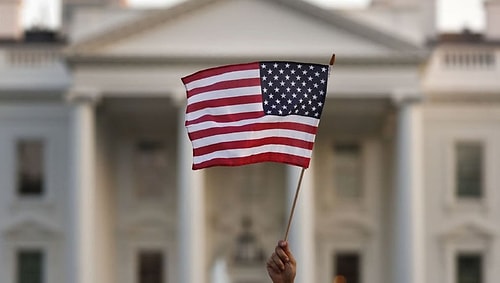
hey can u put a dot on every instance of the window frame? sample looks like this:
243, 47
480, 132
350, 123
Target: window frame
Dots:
43, 263
44, 170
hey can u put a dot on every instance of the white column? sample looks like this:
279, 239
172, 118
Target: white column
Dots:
82, 252
191, 213
408, 258
301, 236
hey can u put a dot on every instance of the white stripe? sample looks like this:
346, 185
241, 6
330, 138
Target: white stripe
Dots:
224, 93
235, 153
225, 110
266, 119
253, 135
229, 76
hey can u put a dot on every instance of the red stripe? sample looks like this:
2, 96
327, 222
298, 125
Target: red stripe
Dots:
226, 118
225, 85
252, 143
219, 70
254, 127
224, 102
263, 157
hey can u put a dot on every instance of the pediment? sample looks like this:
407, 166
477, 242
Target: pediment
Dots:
30, 227
243, 28
469, 228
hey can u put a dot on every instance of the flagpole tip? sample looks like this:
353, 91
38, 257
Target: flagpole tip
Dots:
332, 60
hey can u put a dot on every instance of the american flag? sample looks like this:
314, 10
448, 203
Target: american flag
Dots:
255, 112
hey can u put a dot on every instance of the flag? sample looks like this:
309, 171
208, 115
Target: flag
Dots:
255, 112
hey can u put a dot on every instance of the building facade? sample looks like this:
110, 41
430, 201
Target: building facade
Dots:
95, 162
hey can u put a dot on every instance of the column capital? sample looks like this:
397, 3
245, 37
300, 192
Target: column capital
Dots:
84, 94
400, 97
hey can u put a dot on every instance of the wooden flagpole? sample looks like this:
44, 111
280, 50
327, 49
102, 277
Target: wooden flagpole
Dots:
332, 61
294, 203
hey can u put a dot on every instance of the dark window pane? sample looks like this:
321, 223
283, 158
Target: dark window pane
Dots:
348, 265
30, 167
469, 268
150, 267
347, 170
469, 159
30, 266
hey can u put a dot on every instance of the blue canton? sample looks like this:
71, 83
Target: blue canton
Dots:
290, 88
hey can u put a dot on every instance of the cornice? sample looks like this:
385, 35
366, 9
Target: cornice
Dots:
409, 59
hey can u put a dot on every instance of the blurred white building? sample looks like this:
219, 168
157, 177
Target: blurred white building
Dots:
95, 164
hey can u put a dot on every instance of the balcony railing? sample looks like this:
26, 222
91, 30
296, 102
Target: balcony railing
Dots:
30, 57
469, 59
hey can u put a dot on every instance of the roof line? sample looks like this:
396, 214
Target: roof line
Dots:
155, 18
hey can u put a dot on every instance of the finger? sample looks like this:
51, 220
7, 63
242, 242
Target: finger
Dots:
281, 253
280, 264
272, 266
286, 247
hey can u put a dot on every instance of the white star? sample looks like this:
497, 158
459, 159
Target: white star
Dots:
305, 95
298, 78
275, 65
294, 95
292, 72
263, 66
315, 85
281, 112
299, 89
266, 102
303, 83
321, 92
309, 90
270, 83
281, 71
288, 89
316, 114
313, 109
320, 104
273, 106
265, 89
307, 113
303, 107
284, 107
276, 89
278, 101
323, 69
310, 78
311, 67
271, 95
310, 102
269, 71
287, 65
292, 83
269, 112
282, 83
276, 78
296, 111
283, 95
304, 72
316, 74
300, 100
289, 101
287, 77
315, 97
322, 81
299, 66
264, 78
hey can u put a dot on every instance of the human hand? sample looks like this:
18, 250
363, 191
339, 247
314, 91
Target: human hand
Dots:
281, 266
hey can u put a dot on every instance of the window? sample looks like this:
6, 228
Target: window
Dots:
469, 268
347, 170
347, 264
469, 160
30, 171
30, 266
150, 267
150, 169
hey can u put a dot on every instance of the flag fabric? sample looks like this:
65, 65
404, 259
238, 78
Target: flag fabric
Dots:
255, 112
